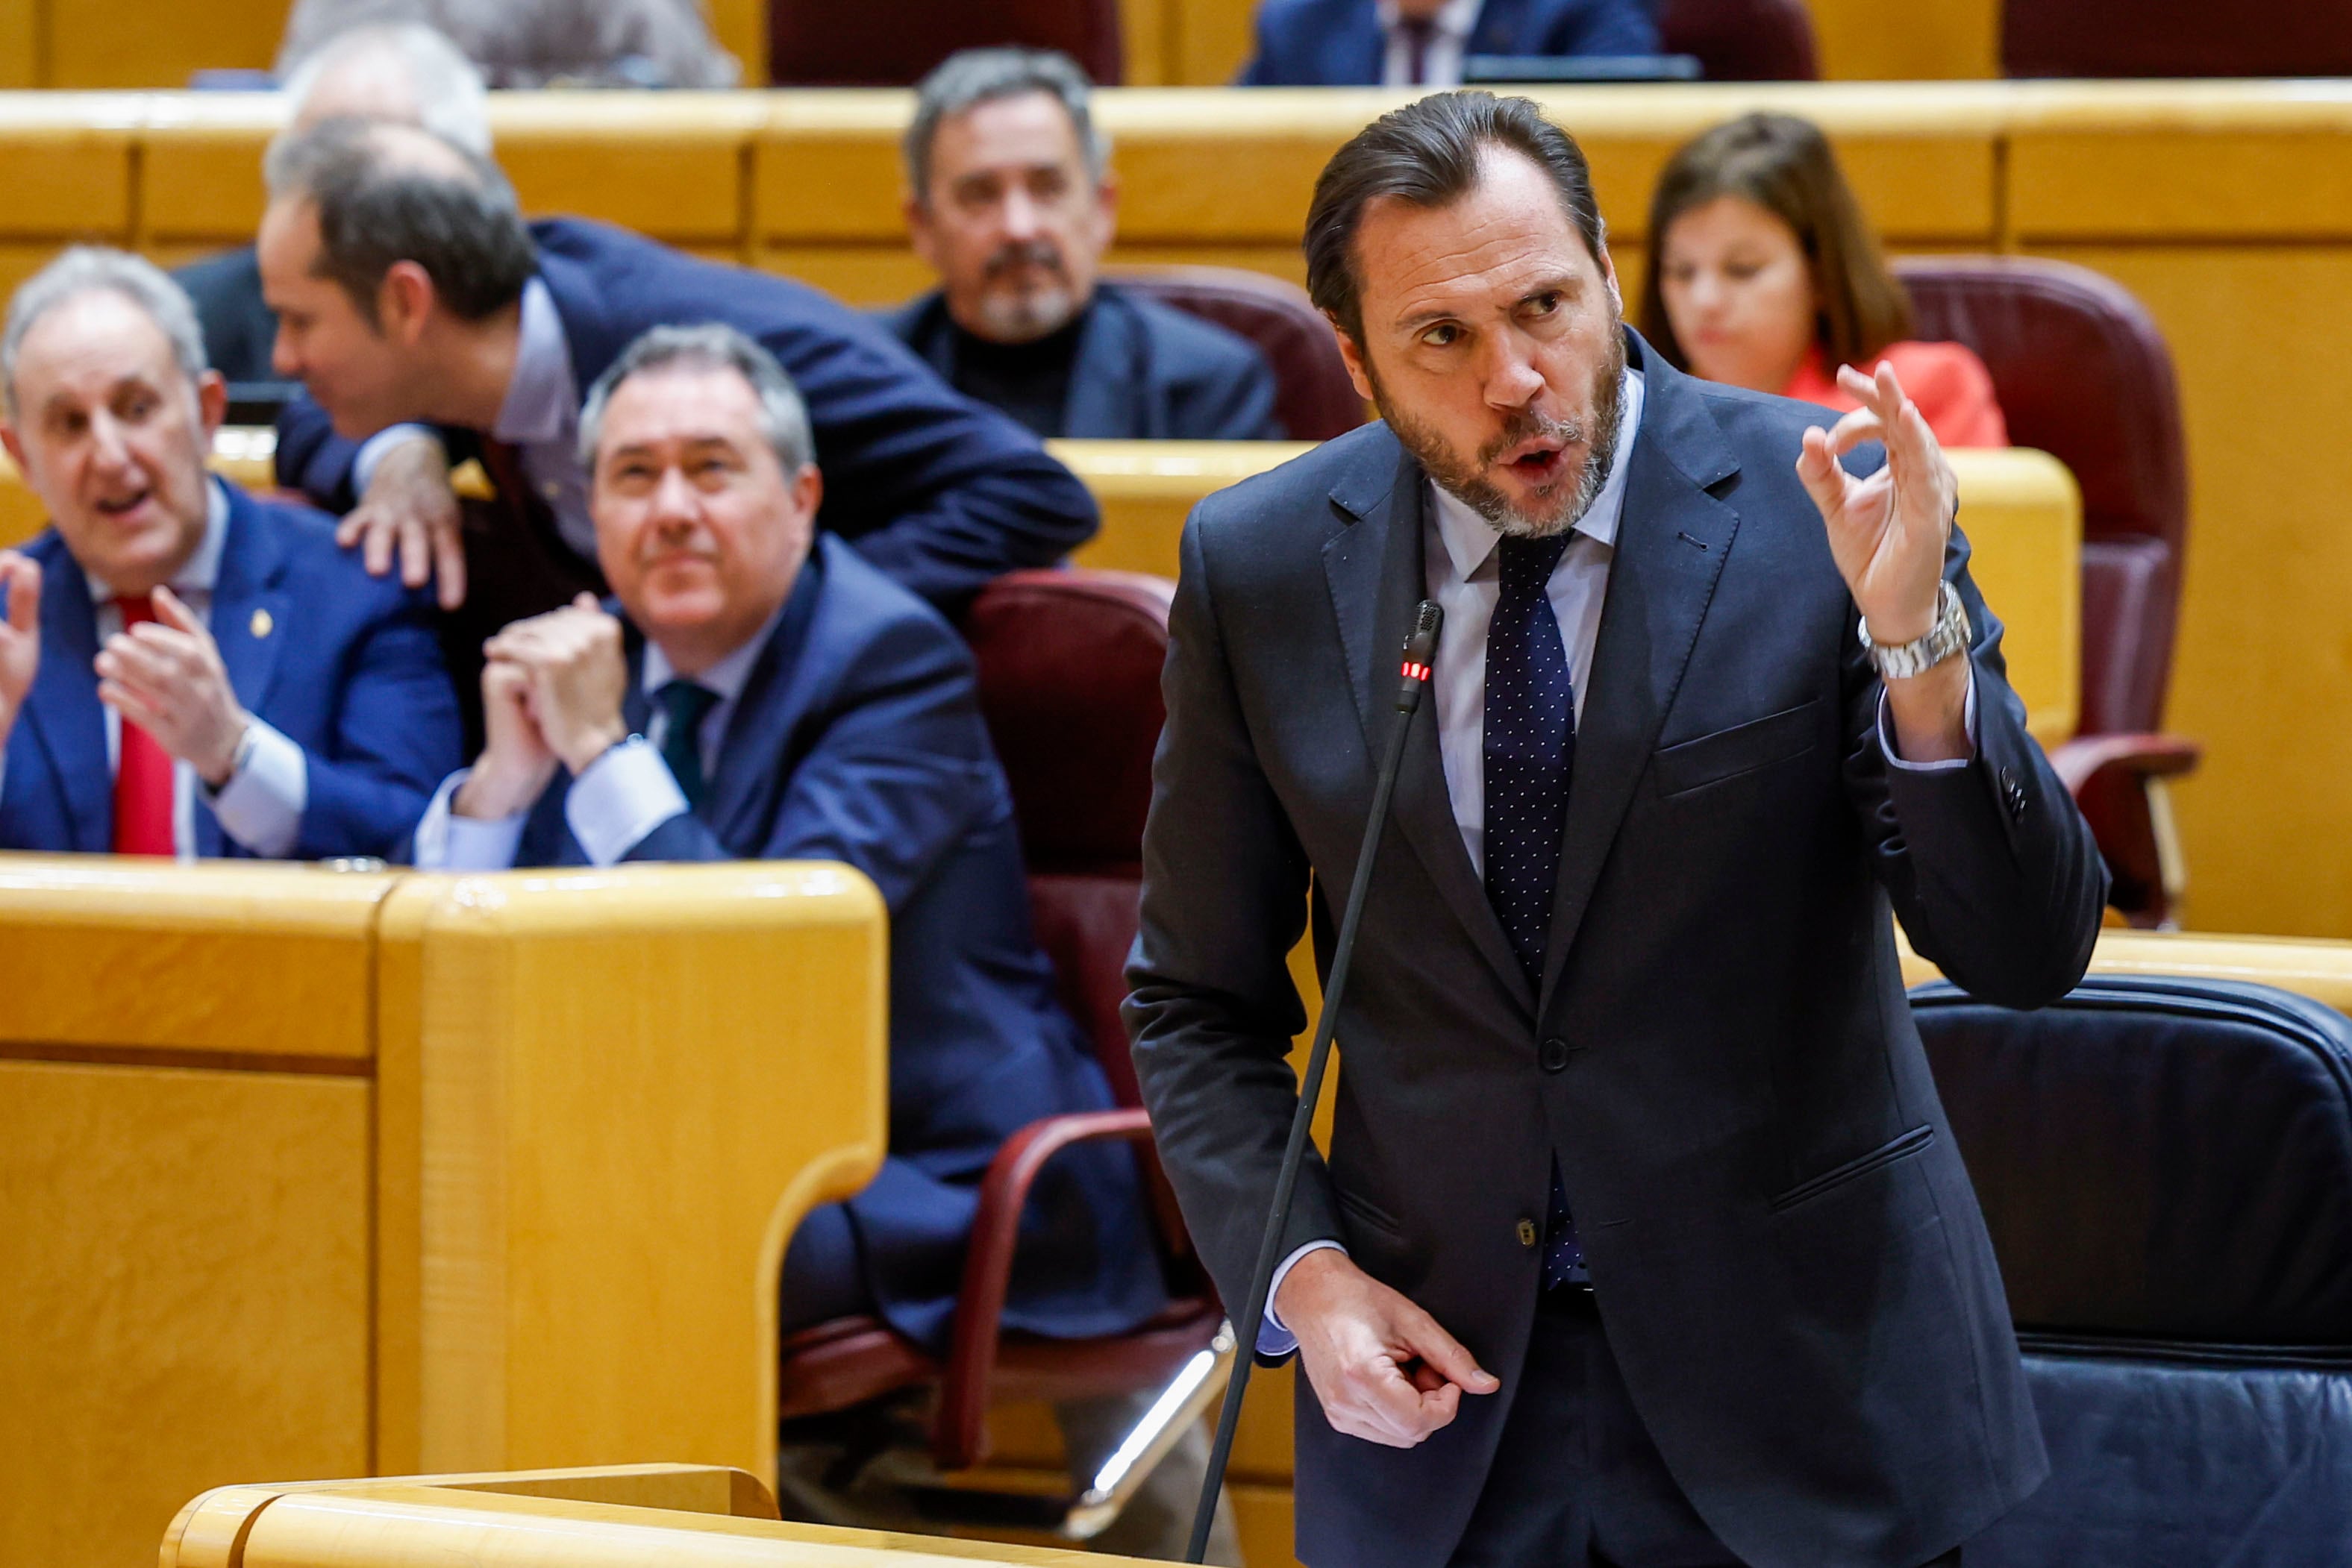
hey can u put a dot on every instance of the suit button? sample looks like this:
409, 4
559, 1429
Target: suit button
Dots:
1553, 1054
1527, 1232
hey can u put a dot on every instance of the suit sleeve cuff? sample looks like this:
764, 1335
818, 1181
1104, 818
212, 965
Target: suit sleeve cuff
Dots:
448, 842
626, 794
261, 805
1968, 722
1273, 1338
372, 449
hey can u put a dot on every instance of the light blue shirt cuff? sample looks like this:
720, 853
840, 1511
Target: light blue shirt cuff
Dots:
1273, 1339
1968, 722
626, 794
261, 805
448, 842
372, 449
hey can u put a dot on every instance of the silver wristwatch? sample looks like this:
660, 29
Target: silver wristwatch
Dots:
1951, 634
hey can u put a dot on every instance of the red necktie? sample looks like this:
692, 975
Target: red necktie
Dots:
143, 772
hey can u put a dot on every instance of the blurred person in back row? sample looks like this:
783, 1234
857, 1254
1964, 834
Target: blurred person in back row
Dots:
402, 72
1010, 199
1763, 275
539, 42
1422, 43
186, 670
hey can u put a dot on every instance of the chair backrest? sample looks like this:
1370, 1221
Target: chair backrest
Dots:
2175, 38
2084, 375
1313, 396
2159, 1159
1069, 679
820, 43
1742, 40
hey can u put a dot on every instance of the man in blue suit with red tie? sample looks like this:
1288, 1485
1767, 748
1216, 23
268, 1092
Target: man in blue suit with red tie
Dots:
1422, 43
187, 670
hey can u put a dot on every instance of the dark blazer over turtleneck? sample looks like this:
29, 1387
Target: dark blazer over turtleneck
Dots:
1140, 370
1787, 1255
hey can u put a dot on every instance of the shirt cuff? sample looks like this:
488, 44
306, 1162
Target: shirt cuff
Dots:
372, 449
1967, 723
261, 805
1273, 1339
448, 842
626, 794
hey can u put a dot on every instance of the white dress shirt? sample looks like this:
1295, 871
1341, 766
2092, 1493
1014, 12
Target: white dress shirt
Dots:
626, 794
539, 418
1441, 59
261, 805
1461, 573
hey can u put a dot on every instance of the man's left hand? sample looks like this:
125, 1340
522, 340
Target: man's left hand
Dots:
1887, 533
165, 675
578, 677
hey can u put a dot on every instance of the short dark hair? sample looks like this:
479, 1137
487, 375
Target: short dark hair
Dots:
1784, 165
1426, 155
376, 208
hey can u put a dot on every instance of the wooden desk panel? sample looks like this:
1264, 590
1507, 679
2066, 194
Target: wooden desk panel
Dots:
186, 1263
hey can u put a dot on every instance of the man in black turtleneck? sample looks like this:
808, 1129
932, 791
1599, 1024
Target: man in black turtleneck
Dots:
1010, 203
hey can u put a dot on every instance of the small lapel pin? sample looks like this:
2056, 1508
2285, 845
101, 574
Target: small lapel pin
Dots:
261, 624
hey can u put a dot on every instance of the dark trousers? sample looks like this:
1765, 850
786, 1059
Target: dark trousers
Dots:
1576, 1483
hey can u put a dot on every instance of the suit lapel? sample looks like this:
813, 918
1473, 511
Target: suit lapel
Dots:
1375, 573
62, 711
249, 604
755, 757
1107, 374
1672, 539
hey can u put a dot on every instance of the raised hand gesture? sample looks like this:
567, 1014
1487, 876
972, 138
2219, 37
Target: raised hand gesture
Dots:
1886, 531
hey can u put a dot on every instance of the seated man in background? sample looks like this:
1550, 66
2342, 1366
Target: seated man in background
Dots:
405, 72
764, 694
186, 670
1763, 273
1422, 43
1011, 201
407, 287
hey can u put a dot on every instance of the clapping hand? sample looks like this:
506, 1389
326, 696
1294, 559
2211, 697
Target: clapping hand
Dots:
20, 635
578, 677
165, 675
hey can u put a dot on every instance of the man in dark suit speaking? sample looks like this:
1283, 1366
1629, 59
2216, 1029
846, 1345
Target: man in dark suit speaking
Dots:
1643, 1239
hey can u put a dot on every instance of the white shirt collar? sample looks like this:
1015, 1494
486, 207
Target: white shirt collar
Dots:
1454, 19
542, 401
201, 569
1470, 538
727, 676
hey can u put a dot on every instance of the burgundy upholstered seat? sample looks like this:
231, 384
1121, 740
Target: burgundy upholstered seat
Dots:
1313, 396
1069, 679
1742, 40
2083, 373
2176, 38
820, 43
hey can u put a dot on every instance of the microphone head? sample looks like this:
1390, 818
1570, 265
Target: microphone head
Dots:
1420, 648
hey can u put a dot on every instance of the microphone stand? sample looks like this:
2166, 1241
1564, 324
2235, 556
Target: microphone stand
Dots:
1420, 649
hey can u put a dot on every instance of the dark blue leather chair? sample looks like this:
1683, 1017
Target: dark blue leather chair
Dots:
2166, 1167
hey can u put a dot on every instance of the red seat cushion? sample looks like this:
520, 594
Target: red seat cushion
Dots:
1742, 40
1313, 396
822, 43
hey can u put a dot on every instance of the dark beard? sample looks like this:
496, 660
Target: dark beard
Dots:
1466, 479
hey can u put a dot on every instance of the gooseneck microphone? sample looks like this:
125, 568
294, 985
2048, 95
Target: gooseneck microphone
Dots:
1419, 650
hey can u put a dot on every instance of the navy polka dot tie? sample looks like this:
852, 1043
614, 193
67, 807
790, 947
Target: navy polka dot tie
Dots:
1529, 753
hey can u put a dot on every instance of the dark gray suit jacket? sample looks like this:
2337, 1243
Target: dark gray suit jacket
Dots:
1787, 1256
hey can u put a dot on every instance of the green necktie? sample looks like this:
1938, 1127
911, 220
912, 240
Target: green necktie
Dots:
685, 704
